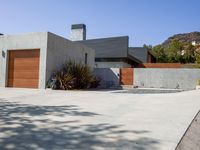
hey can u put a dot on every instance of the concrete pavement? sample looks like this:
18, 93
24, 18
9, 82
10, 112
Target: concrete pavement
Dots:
94, 120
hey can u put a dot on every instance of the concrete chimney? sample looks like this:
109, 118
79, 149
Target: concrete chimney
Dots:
78, 32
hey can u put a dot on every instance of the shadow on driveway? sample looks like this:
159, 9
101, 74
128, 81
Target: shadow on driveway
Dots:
31, 127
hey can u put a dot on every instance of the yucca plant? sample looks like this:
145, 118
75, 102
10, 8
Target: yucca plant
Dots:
65, 80
81, 73
95, 82
74, 76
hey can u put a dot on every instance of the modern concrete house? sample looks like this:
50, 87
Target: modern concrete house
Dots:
28, 61
113, 52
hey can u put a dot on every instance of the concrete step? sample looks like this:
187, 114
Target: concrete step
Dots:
148, 91
191, 138
127, 87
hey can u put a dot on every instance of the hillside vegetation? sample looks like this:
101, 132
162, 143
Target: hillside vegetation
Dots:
178, 49
185, 38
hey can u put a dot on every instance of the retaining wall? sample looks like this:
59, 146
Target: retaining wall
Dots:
185, 79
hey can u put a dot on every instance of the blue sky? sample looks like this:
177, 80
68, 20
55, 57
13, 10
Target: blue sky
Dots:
144, 21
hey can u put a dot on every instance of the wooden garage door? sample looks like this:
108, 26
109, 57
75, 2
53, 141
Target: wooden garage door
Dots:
126, 76
23, 68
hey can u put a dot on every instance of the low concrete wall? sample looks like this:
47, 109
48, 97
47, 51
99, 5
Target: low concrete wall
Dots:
185, 79
109, 77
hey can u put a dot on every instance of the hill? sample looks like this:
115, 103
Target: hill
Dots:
179, 49
185, 38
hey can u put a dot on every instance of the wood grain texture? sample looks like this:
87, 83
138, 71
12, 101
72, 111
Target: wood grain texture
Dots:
126, 76
160, 65
23, 68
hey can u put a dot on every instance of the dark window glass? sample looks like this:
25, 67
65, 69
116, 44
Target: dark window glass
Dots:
86, 55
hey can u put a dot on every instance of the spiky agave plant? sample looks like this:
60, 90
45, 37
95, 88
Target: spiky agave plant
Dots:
75, 76
95, 82
65, 80
82, 74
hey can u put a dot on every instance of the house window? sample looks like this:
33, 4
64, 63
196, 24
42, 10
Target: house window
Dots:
86, 55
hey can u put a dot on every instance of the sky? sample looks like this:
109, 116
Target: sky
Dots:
144, 21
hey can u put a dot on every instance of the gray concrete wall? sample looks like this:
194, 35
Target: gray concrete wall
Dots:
109, 77
60, 50
112, 65
19, 42
185, 79
77, 34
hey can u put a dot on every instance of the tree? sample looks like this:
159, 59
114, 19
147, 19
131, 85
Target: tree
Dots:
197, 57
174, 51
189, 53
149, 47
159, 52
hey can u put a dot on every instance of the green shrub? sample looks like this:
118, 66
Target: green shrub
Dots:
74, 76
197, 66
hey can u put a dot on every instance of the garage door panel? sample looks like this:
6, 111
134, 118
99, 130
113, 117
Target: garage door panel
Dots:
24, 53
23, 68
23, 74
25, 62
23, 83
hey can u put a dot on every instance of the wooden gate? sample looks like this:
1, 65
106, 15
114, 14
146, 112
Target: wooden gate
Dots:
126, 76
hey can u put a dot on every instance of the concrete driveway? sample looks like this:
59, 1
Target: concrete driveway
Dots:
91, 120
